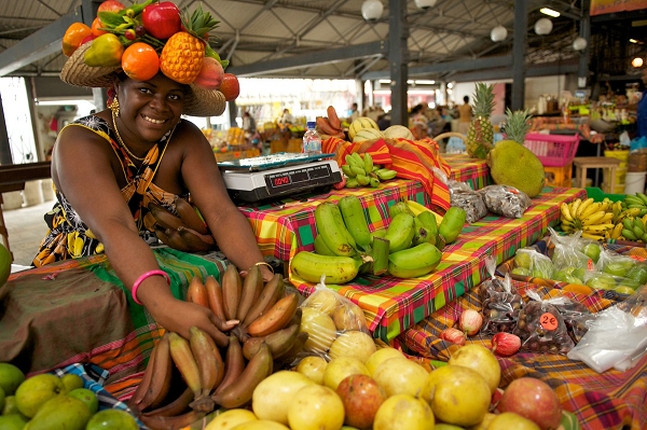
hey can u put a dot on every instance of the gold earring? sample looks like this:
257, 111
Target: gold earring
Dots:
114, 106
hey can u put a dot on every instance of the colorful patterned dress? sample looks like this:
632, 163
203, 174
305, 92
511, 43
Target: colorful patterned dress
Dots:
69, 237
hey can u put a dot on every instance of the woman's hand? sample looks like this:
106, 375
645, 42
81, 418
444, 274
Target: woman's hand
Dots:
178, 316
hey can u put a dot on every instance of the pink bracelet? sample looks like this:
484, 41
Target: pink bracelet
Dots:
145, 276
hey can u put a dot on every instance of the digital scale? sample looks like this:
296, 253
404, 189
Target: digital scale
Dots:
278, 175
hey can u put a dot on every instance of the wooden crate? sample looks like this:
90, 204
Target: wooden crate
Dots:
559, 176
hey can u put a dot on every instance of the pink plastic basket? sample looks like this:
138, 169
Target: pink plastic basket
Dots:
553, 150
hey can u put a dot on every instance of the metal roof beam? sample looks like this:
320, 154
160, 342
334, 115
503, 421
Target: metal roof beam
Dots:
466, 65
506, 73
307, 60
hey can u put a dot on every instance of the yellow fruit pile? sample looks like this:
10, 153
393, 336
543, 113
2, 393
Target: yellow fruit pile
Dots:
592, 218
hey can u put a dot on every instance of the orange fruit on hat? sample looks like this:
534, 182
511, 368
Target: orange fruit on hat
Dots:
140, 62
96, 25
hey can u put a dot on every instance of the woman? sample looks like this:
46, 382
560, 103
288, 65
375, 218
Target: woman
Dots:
464, 116
109, 166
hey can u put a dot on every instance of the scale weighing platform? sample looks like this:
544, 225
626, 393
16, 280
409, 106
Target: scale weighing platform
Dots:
278, 175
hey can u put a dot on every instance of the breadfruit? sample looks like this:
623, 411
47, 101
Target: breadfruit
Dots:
514, 165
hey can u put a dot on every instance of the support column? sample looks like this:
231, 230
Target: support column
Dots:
518, 55
585, 33
5, 149
398, 55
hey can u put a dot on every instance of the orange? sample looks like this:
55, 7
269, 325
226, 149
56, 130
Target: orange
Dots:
96, 24
140, 62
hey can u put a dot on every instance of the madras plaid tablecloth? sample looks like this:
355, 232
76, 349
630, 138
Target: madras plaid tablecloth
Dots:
610, 400
78, 311
392, 305
286, 227
474, 171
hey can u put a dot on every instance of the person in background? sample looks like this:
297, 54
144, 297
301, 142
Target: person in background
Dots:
418, 122
354, 114
384, 121
641, 112
286, 117
464, 116
249, 123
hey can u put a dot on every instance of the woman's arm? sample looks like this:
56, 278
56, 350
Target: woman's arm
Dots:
83, 169
230, 228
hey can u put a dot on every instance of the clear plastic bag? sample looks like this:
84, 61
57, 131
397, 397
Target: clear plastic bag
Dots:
505, 200
575, 316
541, 326
529, 262
617, 336
334, 325
500, 302
463, 196
569, 262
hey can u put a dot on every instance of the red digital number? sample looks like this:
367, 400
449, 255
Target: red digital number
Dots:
281, 181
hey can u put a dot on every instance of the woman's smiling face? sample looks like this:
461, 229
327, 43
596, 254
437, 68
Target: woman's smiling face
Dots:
150, 108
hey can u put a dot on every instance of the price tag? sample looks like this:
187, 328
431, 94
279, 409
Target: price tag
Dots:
637, 257
590, 265
548, 321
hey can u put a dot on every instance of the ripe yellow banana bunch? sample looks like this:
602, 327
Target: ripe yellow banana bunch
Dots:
593, 218
221, 369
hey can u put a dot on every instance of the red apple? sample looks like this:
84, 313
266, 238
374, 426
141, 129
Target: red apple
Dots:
111, 6
362, 397
230, 87
161, 20
532, 399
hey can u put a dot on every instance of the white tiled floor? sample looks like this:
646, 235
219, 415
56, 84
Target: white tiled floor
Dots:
26, 230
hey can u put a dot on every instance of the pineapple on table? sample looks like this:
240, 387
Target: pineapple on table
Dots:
183, 54
517, 125
480, 136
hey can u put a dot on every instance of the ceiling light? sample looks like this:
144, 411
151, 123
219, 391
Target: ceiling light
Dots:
384, 81
579, 44
372, 10
548, 11
425, 82
425, 4
498, 33
637, 62
543, 26
633, 41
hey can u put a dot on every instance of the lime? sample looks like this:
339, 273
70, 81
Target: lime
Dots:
87, 397
13, 422
5, 264
32, 394
9, 406
72, 381
592, 250
112, 419
10, 378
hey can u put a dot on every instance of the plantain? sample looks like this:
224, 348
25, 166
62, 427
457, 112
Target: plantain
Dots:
276, 318
355, 221
175, 241
323, 124
197, 292
189, 216
251, 290
234, 364
400, 232
279, 342
338, 270
452, 224
164, 218
413, 262
320, 246
271, 293
240, 392
160, 383
188, 367
214, 295
176, 407
142, 388
159, 422
196, 241
208, 359
231, 291
428, 220
380, 254
330, 226
333, 119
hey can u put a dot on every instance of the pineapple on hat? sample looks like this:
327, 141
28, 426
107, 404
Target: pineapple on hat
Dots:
480, 136
183, 53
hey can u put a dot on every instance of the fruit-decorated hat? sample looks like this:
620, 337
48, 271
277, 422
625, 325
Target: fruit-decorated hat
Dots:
125, 27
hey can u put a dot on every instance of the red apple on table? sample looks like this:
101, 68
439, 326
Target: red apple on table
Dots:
161, 20
532, 399
362, 397
230, 87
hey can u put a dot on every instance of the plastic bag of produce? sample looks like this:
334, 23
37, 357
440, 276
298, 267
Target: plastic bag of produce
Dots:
575, 316
335, 325
505, 200
501, 303
617, 336
609, 282
463, 196
529, 262
614, 264
569, 262
541, 326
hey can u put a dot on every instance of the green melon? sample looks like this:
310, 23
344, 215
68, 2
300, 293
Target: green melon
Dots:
361, 123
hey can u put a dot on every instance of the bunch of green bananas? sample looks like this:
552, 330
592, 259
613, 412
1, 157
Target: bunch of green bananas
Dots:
632, 229
360, 171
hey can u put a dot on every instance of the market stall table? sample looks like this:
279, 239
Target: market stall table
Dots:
474, 171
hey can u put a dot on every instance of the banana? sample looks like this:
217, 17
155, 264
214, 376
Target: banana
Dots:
348, 171
271, 293
642, 197
355, 221
159, 422
633, 200
197, 292
589, 210
188, 367
608, 217
174, 240
639, 224
288, 358
374, 182
585, 204
617, 231
574, 206
428, 220
631, 212
414, 262
368, 162
214, 295
359, 172
597, 237
628, 234
234, 364
598, 228
350, 161
638, 232
240, 393
189, 216
386, 174
160, 383
334, 120
594, 218
421, 233
207, 356
338, 270
400, 232
143, 386
251, 290
164, 218
231, 290
320, 246
176, 407
196, 239
330, 225
400, 207
417, 209
323, 124
358, 161
380, 254
279, 342
276, 318
565, 212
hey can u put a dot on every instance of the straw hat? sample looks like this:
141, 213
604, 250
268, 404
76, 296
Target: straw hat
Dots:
199, 101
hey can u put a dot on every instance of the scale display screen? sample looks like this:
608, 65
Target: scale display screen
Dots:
278, 182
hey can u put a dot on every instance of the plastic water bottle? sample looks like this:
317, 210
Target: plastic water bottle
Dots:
311, 140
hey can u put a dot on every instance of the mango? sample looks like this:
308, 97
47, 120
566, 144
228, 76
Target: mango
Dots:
61, 413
